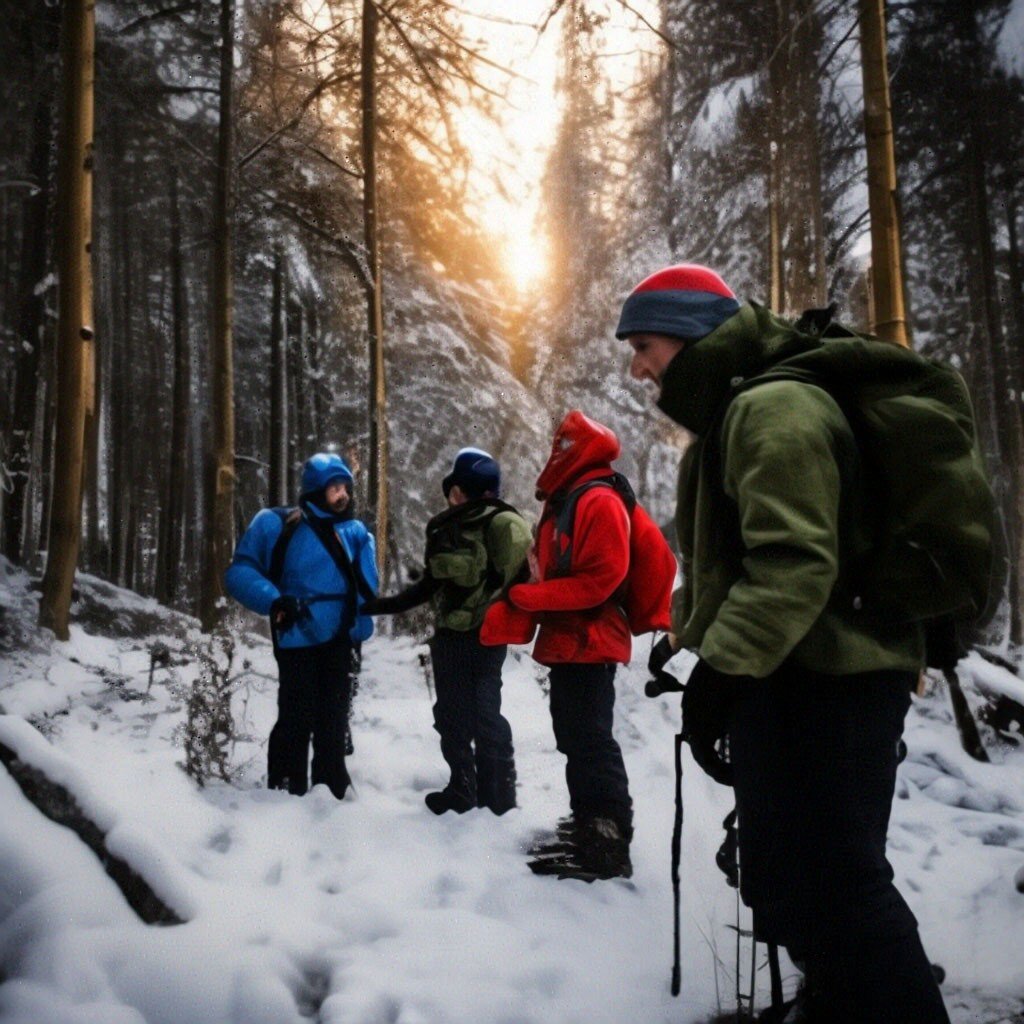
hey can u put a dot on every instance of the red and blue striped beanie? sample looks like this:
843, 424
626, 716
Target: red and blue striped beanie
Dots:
686, 301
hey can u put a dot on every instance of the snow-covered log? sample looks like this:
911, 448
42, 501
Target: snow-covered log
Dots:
56, 803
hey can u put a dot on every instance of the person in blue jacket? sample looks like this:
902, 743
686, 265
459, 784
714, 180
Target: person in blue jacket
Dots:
310, 569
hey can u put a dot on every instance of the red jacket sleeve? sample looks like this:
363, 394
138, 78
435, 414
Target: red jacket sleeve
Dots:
600, 559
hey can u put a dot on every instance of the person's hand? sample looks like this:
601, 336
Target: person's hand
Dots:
707, 707
286, 611
661, 654
369, 606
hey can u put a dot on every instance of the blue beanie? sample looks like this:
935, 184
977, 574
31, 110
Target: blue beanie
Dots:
323, 468
475, 473
686, 301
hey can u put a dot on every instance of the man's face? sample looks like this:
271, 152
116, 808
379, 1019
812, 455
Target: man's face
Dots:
457, 496
651, 355
336, 495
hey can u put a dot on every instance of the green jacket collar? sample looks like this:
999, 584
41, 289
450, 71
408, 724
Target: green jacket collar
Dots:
704, 374
468, 513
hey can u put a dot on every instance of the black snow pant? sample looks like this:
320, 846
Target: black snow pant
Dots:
582, 704
476, 739
814, 759
312, 701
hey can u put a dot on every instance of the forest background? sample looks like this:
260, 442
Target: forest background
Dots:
314, 225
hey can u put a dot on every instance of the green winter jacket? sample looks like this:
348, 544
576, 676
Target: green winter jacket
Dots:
473, 550
770, 514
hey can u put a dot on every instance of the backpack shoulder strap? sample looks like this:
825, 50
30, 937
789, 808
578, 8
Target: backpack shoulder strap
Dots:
290, 519
565, 523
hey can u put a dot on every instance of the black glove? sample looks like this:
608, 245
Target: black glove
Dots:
286, 611
369, 606
661, 654
707, 706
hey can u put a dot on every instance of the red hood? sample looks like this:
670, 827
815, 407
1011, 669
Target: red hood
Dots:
580, 444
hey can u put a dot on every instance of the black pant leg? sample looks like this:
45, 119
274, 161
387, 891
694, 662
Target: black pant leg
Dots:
582, 705
492, 734
330, 716
454, 709
288, 746
815, 759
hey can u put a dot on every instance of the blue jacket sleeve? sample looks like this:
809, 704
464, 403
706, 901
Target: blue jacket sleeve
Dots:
246, 578
366, 558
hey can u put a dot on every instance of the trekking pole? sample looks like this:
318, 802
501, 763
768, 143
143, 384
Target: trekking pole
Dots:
776, 975
677, 846
663, 683
970, 740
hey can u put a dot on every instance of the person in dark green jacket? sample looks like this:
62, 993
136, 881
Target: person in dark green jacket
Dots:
809, 693
474, 548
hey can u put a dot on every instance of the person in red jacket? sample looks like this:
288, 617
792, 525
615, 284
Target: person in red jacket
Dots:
583, 636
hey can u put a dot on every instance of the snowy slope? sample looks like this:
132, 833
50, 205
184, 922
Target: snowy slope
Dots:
373, 910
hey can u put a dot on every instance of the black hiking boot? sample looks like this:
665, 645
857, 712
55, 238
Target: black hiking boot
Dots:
449, 799
593, 850
604, 848
496, 786
458, 796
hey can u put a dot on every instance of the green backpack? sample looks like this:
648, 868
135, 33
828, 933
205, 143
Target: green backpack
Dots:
933, 514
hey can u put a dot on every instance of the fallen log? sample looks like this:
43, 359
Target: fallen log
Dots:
57, 804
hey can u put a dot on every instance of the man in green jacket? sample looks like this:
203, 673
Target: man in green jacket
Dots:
808, 693
474, 548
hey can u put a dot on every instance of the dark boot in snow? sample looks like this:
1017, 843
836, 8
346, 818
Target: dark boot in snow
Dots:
604, 848
448, 800
495, 785
458, 796
594, 849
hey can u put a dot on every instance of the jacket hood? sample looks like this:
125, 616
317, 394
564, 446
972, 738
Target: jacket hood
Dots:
702, 375
580, 444
321, 469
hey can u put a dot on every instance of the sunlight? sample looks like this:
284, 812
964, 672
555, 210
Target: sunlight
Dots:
509, 156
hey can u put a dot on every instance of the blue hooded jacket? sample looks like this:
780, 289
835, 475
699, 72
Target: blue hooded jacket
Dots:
308, 571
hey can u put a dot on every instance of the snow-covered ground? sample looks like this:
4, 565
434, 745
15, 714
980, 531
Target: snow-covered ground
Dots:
373, 911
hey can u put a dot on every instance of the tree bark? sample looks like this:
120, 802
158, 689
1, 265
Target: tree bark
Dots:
890, 322
29, 332
75, 348
378, 476
1006, 404
278, 386
221, 458
169, 576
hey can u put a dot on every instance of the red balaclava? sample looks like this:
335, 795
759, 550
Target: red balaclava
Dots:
580, 444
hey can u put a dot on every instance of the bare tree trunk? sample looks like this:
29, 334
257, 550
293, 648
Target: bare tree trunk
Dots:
298, 389
1007, 410
221, 459
796, 225
74, 187
37, 516
30, 332
890, 322
319, 412
303, 401
1013, 256
174, 503
378, 476
775, 296
121, 343
278, 386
